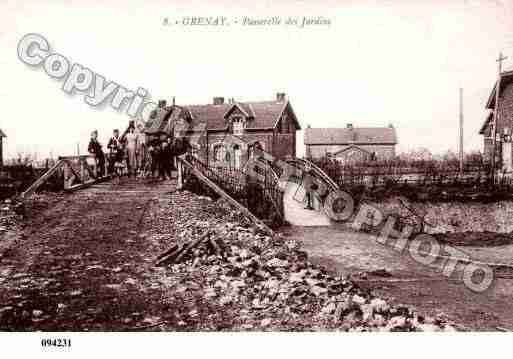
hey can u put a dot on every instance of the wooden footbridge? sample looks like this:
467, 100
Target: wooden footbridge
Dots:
266, 200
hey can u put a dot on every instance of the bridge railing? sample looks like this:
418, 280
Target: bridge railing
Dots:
80, 170
263, 199
77, 172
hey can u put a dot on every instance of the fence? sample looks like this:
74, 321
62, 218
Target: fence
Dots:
263, 198
415, 178
16, 178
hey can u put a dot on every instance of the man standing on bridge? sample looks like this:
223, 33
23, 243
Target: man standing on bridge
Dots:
95, 148
115, 147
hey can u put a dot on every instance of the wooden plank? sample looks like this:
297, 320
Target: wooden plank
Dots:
226, 196
87, 184
29, 191
73, 172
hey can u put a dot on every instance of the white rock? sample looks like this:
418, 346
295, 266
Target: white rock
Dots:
297, 277
330, 308
358, 299
275, 262
428, 327
378, 320
397, 321
266, 322
367, 312
379, 305
37, 313
318, 290
449, 328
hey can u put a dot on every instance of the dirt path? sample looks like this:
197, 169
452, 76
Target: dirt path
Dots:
410, 283
84, 263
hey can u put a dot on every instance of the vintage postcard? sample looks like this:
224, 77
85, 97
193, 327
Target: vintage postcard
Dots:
235, 166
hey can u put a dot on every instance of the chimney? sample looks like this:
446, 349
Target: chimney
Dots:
173, 101
162, 103
350, 126
218, 100
280, 97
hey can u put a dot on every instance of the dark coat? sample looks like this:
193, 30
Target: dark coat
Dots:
95, 148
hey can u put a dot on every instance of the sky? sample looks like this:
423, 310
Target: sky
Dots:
377, 63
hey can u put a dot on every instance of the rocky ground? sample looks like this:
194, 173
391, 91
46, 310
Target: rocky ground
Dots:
86, 261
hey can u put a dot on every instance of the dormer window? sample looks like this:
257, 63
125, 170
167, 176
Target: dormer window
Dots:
237, 125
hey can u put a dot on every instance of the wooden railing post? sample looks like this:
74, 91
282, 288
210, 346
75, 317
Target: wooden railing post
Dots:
82, 169
179, 167
67, 175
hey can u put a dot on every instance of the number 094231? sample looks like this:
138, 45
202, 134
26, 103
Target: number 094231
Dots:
56, 343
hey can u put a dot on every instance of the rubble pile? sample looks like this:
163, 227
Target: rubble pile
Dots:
271, 283
10, 214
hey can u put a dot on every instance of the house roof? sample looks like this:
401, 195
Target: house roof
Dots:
261, 115
345, 136
489, 117
506, 79
159, 123
2, 134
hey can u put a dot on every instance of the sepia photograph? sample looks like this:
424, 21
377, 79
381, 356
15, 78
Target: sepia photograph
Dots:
299, 174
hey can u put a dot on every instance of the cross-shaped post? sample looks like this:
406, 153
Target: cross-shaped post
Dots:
496, 114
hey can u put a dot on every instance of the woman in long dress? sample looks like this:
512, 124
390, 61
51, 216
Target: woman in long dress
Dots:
131, 146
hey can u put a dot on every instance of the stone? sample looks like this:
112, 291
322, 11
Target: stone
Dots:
238, 284
378, 320
275, 262
329, 308
37, 313
427, 328
244, 254
379, 305
358, 299
318, 290
210, 292
226, 300
297, 276
266, 322
367, 312
312, 282
449, 328
397, 321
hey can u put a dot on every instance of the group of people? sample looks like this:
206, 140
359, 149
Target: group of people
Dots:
133, 155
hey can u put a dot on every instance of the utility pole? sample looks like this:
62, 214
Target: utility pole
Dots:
496, 114
461, 131
78, 148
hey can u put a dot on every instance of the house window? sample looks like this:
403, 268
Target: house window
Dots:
238, 126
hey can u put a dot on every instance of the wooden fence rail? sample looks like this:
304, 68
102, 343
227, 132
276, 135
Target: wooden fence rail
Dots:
78, 172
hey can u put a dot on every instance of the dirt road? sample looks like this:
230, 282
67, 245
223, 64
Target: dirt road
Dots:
410, 283
83, 263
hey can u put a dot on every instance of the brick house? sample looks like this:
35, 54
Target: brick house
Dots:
504, 123
351, 143
270, 125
